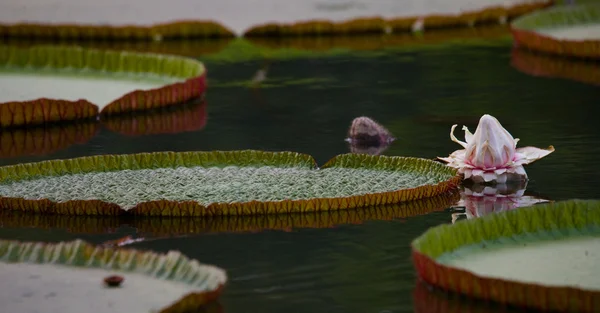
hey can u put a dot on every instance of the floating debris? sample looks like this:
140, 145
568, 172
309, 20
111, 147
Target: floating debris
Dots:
365, 131
127, 240
113, 281
368, 137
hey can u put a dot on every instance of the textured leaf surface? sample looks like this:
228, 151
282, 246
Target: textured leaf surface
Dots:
540, 30
555, 220
68, 277
186, 81
218, 183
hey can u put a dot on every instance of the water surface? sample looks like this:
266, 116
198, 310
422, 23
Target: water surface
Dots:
306, 106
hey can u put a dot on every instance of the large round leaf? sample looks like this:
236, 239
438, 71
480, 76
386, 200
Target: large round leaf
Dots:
399, 19
167, 226
44, 84
186, 19
47, 139
69, 277
218, 183
544, 257
569, 30
188, 48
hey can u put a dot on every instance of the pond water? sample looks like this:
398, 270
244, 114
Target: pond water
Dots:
306, 105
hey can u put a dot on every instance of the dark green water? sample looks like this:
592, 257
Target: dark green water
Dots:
307, 106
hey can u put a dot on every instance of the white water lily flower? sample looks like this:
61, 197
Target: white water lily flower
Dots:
491, 154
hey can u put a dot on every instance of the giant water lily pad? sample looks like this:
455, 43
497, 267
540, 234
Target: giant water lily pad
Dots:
543, 257
218, 183
187, 18
48, 139
44, 84
259, 48
69, 277
168, 226
274, 47
571, 30
188, 48
288, 222
111, 19
399, 18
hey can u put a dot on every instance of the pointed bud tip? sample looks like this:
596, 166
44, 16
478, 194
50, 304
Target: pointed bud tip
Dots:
487, 120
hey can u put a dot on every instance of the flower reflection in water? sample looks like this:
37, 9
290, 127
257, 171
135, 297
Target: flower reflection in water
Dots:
478, 200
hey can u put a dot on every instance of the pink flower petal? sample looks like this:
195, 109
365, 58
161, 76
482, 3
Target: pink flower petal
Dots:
502, 178
519, 170
453, 138
490, 154
489, 176
477, 172
468, 173
530, 154
500, 171
468, 134
455, 159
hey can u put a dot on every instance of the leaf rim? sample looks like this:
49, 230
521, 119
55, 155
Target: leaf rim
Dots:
547, 216
450, 182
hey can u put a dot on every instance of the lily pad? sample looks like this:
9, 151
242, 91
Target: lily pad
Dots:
48, 139
69, 277
168, 226
318, 45
493, 257
12, 26
409, 18
43, 84
570, 30
551, 66
185, 19
259, 48
218, 183
188, 48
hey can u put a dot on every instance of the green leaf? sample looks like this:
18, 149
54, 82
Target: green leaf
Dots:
220, 183
485, 257
69, 277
